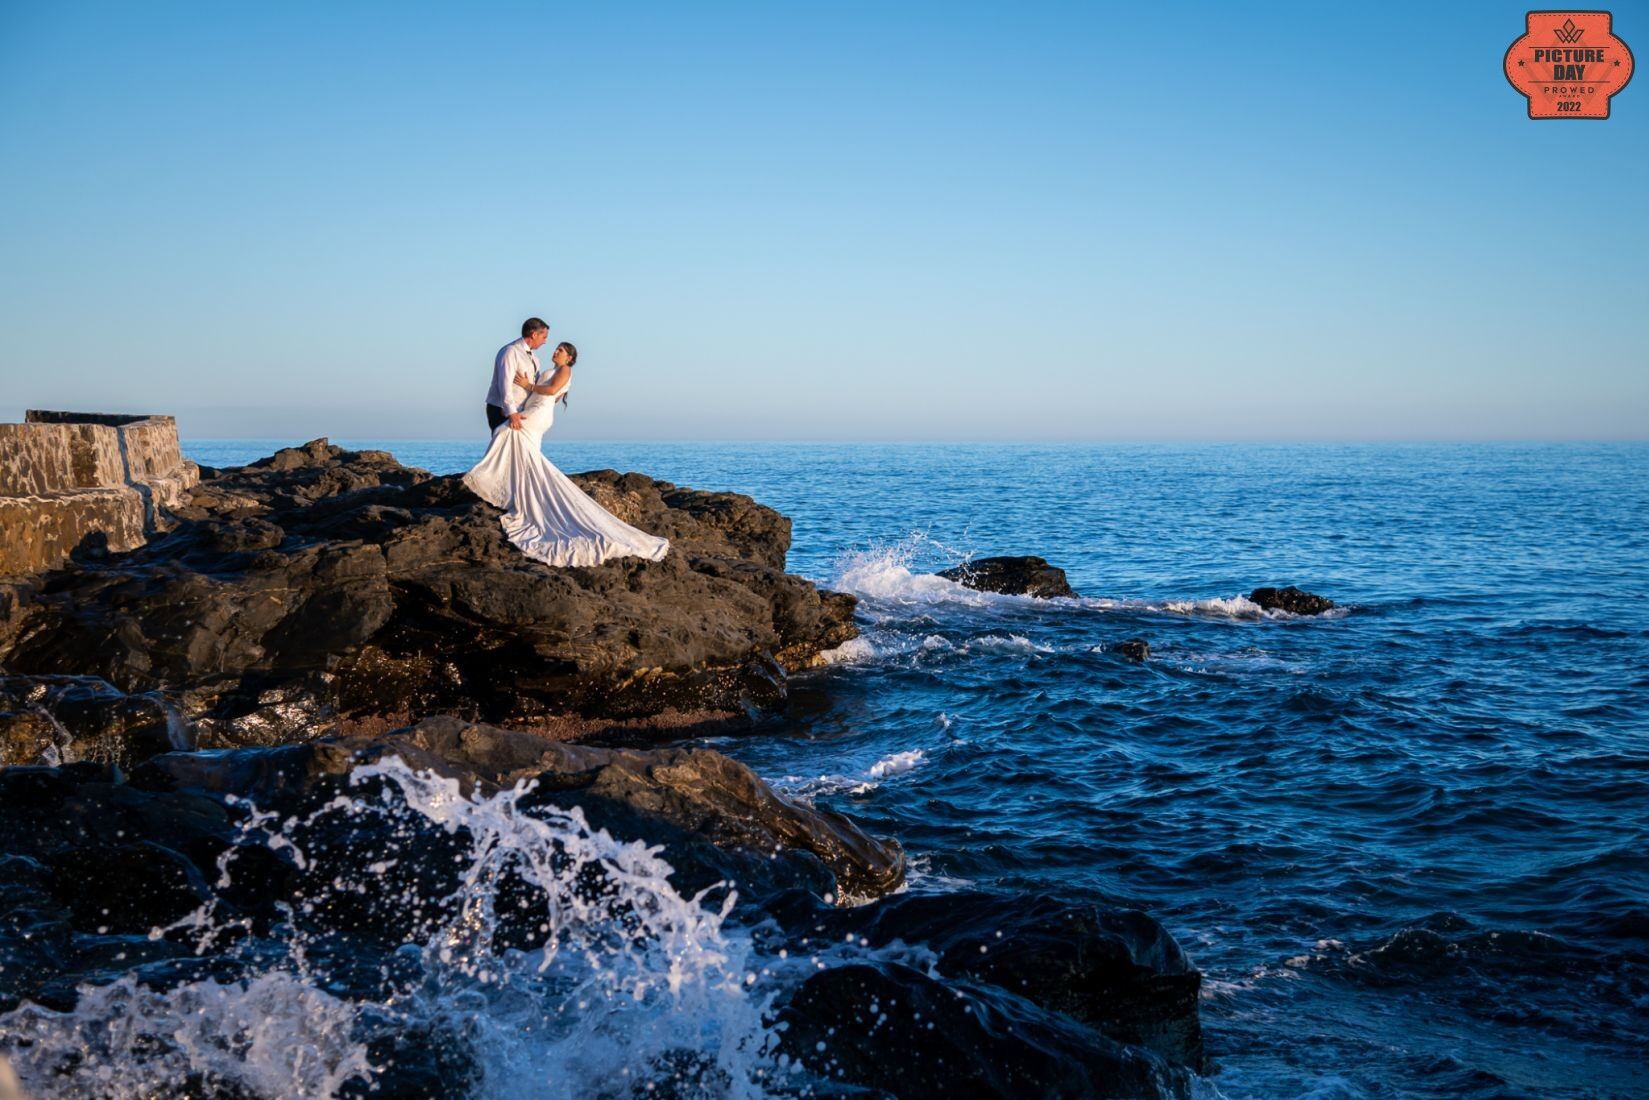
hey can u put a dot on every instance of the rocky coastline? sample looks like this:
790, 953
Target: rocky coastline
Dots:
303, 626
322, 591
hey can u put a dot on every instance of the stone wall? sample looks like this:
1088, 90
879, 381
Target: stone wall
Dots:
91, 481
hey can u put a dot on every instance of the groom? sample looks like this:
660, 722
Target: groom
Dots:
517, 357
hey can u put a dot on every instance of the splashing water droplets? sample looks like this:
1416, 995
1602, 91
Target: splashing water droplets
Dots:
624, 972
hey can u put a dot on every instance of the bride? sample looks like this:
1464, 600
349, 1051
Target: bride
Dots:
545, 514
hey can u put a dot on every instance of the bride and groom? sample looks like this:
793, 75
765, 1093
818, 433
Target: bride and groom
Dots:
545, 514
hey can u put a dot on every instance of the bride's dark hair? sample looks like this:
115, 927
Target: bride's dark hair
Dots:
572, 357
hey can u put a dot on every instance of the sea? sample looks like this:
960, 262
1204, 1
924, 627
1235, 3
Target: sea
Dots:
1406, 841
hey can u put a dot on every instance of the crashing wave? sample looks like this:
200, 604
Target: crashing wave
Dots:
630, 981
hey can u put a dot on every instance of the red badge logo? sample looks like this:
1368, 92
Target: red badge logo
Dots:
1568, 63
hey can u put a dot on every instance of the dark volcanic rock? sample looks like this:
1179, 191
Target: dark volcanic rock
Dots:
341, 590
64, 719
697, 796
891, 1027
1290, 599
91, 853
1135, 649
171, 876
1012, 576
1026, 996
1115, 970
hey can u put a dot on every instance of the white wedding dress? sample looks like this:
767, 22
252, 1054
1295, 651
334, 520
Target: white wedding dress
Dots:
545, 514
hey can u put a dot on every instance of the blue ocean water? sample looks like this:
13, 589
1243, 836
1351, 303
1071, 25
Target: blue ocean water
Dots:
1407, 842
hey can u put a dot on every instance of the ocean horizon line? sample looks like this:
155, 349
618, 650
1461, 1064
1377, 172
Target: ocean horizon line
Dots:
1057, 442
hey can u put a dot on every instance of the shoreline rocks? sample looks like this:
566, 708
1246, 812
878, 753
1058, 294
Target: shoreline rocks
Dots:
1133, 649
303, 613
1012, 576
326, 591
686, 798
196, 865
892, 1028
1116, 971
1291, 600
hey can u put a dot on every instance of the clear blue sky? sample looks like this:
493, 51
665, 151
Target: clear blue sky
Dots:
820, 221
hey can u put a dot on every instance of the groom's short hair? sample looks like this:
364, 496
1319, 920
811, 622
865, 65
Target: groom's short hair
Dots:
532, 325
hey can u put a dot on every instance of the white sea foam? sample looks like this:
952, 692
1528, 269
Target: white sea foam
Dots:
851, 652
271, 1035
681, 995
884, 646
1011, 643
895, 580
807, 788
888, 574
1234, 607
919, 873
1216, 607
898, 763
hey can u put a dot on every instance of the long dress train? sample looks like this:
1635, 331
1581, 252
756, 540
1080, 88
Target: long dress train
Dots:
545, 514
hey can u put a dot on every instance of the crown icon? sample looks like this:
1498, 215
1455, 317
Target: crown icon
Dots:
1569, 32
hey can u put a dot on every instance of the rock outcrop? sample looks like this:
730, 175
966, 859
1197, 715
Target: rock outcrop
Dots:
701, 805
1290, 599
321, 590
91, 851
1134, 649
696, 796
197, 866
1012, 576
1116, 971
85, 482
67, 719
891, 1028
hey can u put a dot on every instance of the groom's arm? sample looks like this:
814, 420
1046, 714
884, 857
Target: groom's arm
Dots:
557, 381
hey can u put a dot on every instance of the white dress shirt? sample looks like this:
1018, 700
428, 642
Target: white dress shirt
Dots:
513, 356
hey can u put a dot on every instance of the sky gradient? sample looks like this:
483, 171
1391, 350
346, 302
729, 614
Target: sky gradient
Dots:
783, 221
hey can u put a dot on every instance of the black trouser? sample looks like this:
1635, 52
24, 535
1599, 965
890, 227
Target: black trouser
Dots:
495, 417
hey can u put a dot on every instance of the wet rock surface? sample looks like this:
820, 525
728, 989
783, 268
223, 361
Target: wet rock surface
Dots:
193, 865
1133, 649
894, 1028
92, 851
328, 590
1290, 599
1012, 576
65, 719
1116, 971
695, 797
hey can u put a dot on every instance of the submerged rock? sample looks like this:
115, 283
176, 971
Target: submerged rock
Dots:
1012, 576
329, 590
1290, 599
1134, 649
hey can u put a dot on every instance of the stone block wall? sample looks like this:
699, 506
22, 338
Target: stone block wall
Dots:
97, 481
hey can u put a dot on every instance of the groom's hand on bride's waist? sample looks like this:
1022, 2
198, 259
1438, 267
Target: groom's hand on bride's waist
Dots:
515, 421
